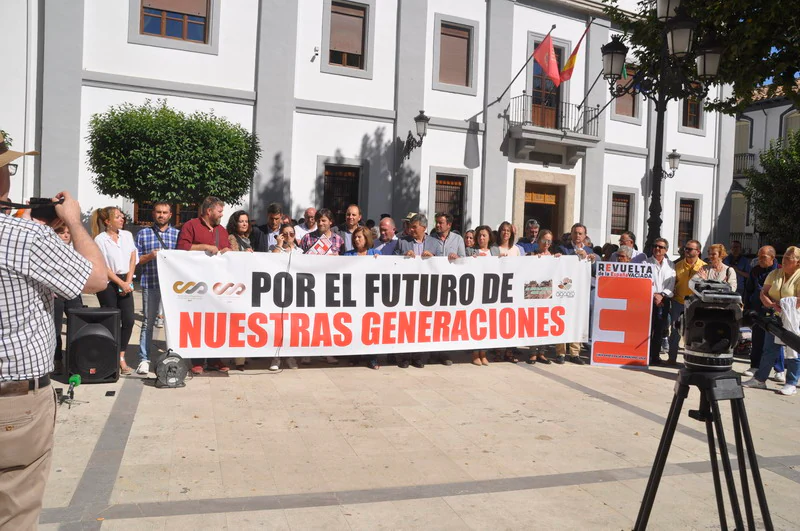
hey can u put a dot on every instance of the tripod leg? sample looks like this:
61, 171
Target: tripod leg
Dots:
737, 431
726, 465
751, 454
661, 459
723, 522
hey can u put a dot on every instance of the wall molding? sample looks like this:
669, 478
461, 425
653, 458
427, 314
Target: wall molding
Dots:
341, 110
460, 126
167, 88
622, 149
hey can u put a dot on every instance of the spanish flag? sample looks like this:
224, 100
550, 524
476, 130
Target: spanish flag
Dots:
569, 66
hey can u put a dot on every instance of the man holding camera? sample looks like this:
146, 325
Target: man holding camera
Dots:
34, 266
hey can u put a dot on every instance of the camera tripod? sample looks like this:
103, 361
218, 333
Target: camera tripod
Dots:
713, 386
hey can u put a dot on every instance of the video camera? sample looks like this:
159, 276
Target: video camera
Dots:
710, 326
42, 208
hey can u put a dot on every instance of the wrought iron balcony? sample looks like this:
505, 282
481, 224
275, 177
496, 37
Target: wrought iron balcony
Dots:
562, 116
743, 162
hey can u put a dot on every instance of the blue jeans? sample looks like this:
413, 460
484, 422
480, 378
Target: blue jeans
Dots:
151, 300
771, 352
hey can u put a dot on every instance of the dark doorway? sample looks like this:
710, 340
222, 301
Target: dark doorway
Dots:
543, 203
340, 189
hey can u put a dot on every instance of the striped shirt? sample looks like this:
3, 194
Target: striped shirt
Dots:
147, 242
34, 265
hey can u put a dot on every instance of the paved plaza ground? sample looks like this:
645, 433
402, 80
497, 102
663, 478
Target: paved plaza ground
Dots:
340, 447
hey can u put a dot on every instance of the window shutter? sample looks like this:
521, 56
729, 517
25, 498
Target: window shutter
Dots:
454, 55
792, 123
347, 29
198, 8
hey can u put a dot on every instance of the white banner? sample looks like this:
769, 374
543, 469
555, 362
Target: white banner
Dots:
270, 304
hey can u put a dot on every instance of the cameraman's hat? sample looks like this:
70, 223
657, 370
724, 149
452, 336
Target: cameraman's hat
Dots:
8, 156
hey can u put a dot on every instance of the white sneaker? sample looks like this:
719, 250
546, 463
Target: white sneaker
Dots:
332, 360
780, 377
749, 372
143, 368
275, 364
755, 384
291, 363
789, 390
159, 322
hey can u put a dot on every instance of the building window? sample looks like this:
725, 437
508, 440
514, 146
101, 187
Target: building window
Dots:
340, 189
687, 221
189, 25
545, 96
742, 137
175, 19
692, 113
348, 27
620, 212
348, 38
450, 198
791, 123
454, 52
626, 108
181, 213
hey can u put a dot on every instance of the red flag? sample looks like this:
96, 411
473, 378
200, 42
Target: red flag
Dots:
545, 55
566, 73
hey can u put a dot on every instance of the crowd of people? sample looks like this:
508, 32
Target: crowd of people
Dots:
317, 233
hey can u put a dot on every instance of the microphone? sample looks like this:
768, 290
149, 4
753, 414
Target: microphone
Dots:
74, 381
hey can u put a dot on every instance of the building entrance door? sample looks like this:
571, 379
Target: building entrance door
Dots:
543, 203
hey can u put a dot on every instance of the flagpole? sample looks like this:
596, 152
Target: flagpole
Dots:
500, 97
590, 90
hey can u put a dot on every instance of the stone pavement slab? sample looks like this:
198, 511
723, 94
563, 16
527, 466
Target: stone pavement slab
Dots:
339, 447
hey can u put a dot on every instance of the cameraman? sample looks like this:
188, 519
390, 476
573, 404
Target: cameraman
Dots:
34, 265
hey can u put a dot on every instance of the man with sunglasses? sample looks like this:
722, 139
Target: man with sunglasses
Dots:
663, 289
685, 269
628, 239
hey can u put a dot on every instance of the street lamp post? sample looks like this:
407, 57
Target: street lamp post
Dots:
660, 81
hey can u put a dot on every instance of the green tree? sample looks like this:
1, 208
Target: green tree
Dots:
152, 152
774, 192
760, 41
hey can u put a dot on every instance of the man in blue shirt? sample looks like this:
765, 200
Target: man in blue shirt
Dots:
149, 241
740, 264
575, 246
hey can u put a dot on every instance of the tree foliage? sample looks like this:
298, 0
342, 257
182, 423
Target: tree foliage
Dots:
774, 192
152, 152
760, 40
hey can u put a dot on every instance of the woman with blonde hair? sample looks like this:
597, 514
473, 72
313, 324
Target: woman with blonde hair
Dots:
715, 269
121, 257
783, 283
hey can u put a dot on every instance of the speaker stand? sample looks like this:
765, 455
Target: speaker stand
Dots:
713, 387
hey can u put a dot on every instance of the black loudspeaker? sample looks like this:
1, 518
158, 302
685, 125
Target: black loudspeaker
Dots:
93, 338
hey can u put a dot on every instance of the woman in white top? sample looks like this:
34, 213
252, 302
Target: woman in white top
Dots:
715, 269
286, 242
121, 257
506, 235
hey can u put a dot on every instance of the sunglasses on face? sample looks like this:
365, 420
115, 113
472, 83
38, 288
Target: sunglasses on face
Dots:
659, 247
288, 233
687, 249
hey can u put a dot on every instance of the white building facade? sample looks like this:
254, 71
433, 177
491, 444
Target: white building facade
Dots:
331, 89
763, 122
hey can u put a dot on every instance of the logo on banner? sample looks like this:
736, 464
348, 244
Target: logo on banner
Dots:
539, 289
229, 288
190, 288
321, 246
565, 288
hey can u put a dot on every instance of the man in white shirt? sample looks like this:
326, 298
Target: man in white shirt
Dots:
663, 290
309, 224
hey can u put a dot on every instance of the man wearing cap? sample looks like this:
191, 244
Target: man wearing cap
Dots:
35, 265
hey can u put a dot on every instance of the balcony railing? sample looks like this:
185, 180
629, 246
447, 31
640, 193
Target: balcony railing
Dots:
562, 116
743, 162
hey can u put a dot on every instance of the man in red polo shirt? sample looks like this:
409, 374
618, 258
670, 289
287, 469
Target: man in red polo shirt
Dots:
206, 234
